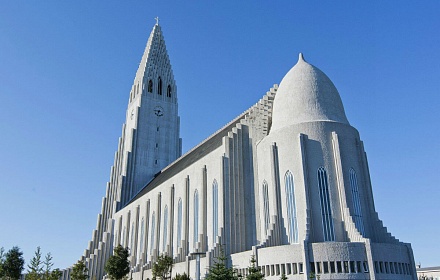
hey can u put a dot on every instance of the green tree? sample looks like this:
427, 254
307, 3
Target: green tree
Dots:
79, 271
254, 270
13, 264
117, 266
2, 260
283, 277
54, 274
163, 267
183, 276
47, 266
219, 271
35, 268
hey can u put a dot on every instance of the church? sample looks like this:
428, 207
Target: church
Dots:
286, 181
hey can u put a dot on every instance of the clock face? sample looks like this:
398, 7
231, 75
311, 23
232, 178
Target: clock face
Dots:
158, 111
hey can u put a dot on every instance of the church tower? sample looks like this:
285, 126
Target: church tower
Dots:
150, 141
150, 136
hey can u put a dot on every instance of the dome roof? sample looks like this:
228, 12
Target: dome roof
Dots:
306, 94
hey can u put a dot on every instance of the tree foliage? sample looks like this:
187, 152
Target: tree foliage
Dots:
2, 260
12, 264
79, 271
163, 267
254, 270
183, 276
220, 271
117, 265
283, 277
35, 268
47, 266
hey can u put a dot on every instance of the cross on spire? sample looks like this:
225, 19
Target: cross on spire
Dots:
157, 20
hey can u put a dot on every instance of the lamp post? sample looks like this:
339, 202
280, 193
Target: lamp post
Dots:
197, 254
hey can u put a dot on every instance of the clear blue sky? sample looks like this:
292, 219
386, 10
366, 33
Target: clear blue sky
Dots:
66, 68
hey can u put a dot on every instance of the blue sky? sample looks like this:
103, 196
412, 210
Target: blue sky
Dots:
66, 69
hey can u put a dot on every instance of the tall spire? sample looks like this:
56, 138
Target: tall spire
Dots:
151, 131
149, 142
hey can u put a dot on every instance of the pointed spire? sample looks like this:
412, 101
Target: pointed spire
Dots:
301, 58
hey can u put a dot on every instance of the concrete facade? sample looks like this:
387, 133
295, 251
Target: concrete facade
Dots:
286, 181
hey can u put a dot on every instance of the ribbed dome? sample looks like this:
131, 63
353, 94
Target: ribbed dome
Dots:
306, 94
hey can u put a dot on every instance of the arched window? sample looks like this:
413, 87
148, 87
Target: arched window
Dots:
165, 228
179, 222
141, 245
159, 86
326, 211
196, 216
169, 91
266, 206
214, 211
291, 207
358, 220
150, 86
153, 229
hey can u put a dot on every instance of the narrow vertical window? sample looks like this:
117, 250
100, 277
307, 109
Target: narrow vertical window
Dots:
266, 206
150, 86
153, 229
214, 211
291, 208
169, 91
123, 237
196, 216
179, 222
358, 220
326, 212
159, 86
132, 238
165, 228
141, 246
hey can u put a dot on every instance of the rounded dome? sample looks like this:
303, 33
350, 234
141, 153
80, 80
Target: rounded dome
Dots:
306, 94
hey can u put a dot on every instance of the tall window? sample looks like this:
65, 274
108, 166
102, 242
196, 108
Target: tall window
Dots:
326, 211
153, 229
179, 222
266, 206
123, 237
159, 86
291, 208
196, 216
169, 91
358, 220
141, 246
150, 86
132, 239
214, 210
165, 228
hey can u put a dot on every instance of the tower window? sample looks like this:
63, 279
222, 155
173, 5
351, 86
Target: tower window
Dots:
150, 86
141, 246
169, 91
165, 228
291, 208
358, 220
214, 210
179, 222
159, 86
196, 217
153, 228
266, 206
326, 211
